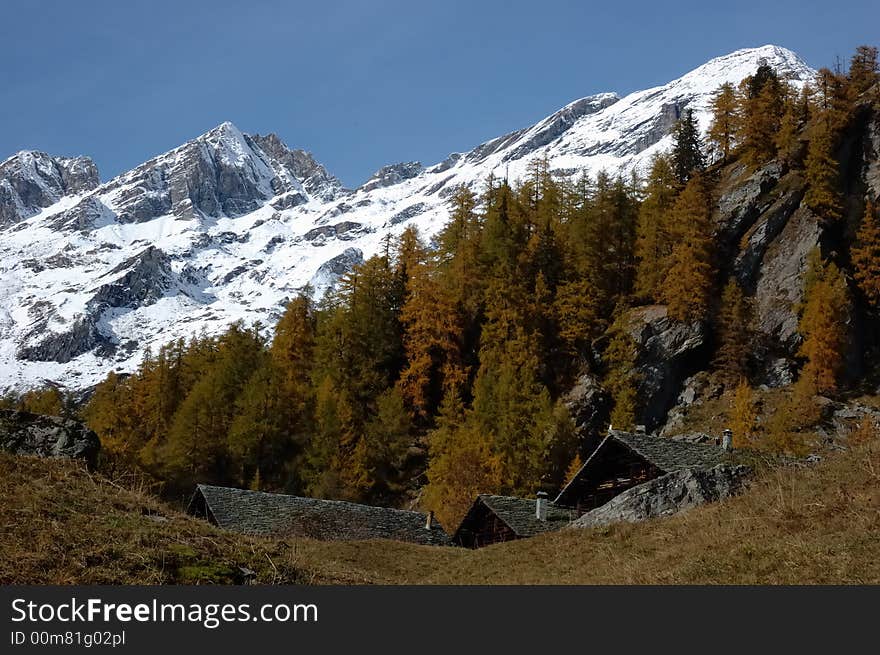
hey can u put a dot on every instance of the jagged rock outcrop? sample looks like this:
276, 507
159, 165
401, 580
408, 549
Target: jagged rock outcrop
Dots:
219, 174
779, 372
872, 158
338, 230
588, 404
315, 179
780, 286
78, 174
841, 420
140, 281
81, 336
743, 198
84, 216
289, 200
409, 212
667, 495
695, 391
392, 174
334, 268
660, 125
23, 433
554, 126
137, 282
767, 233
667, 353
766, 227
31, 181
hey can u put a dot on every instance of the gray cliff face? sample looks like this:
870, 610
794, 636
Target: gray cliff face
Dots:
341, 264
140, 281
659, 126
81, 336
315, 179
86, 215
137, 282
743, 198
667, 353
589, 405
872, 160
556, 125
23, 433
780, 285
669, 494
78, 174
768, 233
31, 181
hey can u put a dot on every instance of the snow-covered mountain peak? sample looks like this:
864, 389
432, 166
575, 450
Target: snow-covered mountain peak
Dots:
227, 128
230, 145
739, 64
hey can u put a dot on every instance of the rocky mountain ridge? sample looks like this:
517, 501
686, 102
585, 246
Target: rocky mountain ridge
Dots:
230, 226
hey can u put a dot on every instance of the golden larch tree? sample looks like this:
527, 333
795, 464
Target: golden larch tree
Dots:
735, 334
743, 416
822, 173
866, 256
688, 282
725, 120
653, 240
823, 325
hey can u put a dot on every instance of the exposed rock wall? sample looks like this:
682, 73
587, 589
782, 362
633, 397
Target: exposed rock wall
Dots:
668, 352
31, 181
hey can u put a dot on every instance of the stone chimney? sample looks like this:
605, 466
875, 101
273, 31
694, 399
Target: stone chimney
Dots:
429, 520
541, 506
727, 439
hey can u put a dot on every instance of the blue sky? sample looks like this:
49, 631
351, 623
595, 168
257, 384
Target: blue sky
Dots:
360, 84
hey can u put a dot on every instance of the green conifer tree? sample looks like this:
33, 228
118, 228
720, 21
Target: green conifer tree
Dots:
687, 148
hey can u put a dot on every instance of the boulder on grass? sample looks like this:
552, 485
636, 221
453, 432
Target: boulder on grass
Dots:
23, 433
668, 494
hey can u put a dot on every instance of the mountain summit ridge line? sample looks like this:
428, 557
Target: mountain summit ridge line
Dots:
230, 226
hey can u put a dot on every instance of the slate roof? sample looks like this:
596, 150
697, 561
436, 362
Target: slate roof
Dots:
256, 512
519, 514
666, 454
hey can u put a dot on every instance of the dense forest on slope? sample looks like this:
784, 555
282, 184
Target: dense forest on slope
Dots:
442, 368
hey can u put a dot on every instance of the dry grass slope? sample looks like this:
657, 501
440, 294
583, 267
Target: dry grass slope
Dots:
818, 525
